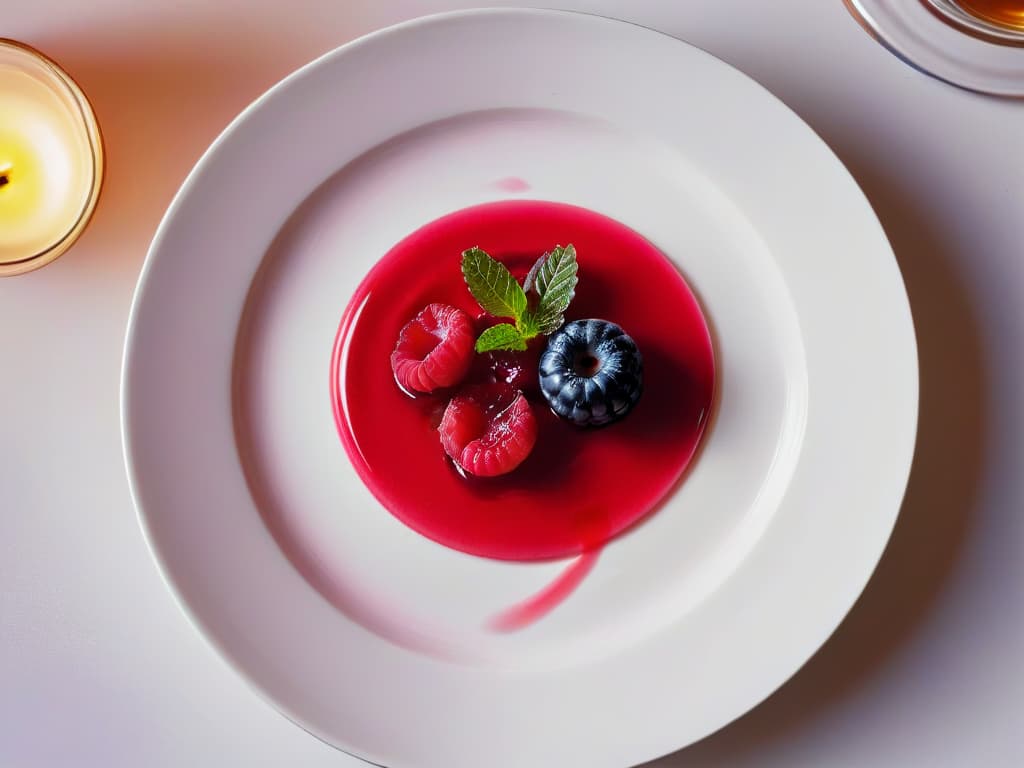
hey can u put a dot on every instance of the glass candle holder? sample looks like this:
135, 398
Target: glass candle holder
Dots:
997, 21
51, 159
973, 44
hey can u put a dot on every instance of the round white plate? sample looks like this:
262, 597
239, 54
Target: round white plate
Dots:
376, 639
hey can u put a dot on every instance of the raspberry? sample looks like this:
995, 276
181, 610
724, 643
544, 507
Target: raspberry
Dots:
434, 350
488, 430
511, 367
518, 369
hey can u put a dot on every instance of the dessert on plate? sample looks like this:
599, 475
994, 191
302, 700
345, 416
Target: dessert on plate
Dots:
518, 399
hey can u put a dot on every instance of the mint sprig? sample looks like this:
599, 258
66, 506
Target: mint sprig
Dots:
551, 282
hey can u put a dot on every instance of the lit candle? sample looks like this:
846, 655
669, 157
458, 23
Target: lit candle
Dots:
51, 160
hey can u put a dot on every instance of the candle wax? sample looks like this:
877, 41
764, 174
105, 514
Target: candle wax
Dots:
46, 165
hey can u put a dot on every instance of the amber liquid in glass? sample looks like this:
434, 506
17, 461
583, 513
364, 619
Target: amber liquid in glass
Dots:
1007, 13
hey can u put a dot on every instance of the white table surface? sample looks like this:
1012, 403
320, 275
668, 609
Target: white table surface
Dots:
98, 666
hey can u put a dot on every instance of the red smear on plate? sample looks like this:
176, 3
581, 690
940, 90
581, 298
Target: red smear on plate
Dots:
512, 184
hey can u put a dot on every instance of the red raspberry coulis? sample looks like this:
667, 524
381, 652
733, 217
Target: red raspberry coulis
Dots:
578, 488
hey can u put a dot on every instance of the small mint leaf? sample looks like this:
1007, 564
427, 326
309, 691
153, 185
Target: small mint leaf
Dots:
528, 326
531, 278
556, 285
550, 325
492, 285
503, 336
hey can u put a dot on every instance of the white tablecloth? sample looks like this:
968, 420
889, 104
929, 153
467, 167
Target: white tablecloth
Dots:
98, 666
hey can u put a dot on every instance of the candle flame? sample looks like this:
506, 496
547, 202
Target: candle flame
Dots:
27, 195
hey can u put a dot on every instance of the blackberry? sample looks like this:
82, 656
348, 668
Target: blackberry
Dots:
591, 372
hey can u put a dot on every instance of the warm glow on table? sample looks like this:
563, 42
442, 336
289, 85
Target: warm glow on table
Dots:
50, 160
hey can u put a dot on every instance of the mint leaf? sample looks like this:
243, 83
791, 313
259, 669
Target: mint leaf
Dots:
492, 285
528, 326
532, 276
502, 336
556, 285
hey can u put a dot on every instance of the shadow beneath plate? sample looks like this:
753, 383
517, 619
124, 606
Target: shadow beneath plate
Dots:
935, 517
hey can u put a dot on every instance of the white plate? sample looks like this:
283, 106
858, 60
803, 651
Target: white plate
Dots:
374, 638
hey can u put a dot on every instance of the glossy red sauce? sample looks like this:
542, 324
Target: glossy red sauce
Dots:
578, 488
